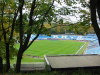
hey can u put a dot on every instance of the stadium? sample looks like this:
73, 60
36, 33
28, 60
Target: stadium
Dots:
60, 45
56, 50
92, 48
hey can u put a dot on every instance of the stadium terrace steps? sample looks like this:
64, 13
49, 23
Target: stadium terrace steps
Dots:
73, 61
32, 67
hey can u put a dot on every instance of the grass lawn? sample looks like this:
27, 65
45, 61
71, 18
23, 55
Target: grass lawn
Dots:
27, 60
45, 47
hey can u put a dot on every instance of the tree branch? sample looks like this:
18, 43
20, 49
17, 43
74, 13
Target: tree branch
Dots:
2, 23
13, 24
30, 23
39, 32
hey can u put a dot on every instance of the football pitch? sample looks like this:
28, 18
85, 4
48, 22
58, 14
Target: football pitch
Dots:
52, 47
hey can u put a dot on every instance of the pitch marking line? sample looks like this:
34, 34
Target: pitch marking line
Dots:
80, 48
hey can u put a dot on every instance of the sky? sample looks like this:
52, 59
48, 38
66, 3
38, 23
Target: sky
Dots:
73, 18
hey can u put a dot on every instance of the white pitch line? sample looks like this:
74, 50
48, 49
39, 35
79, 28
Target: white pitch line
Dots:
80, 48
46, 60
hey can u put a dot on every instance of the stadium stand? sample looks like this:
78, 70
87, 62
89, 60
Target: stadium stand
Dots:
67, 37
56, 62
31, 67
93, 51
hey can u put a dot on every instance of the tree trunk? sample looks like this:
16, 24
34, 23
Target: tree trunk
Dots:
95, 25
98, 8
7, 57
1, 65
18, 62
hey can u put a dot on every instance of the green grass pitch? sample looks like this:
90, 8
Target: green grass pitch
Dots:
45, 47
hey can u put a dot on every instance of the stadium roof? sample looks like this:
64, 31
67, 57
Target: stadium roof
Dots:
72, 61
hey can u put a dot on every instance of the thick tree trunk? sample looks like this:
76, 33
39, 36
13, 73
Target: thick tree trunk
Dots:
93, 10
98, 9
18, 62
7, 57
1, 65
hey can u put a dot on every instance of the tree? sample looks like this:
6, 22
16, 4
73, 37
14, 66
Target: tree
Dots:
83, 25
80, 26
40, 12
7, 27
95, 10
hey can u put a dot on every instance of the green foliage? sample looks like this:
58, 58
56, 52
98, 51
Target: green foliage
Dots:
84, 22
39, 18
81, 26
8, 13
2, 49
13, 51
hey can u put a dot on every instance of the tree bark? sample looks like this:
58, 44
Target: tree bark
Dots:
7, 57
98, 9
1, 65
21, 34
5, 40
95, 25
18, 62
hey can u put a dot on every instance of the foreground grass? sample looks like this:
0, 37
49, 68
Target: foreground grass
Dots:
67, 72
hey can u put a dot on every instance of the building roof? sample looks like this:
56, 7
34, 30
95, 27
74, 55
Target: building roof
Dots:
73, 61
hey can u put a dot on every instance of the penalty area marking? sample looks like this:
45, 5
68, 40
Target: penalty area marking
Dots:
80, 48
